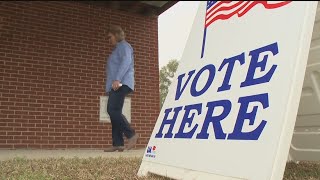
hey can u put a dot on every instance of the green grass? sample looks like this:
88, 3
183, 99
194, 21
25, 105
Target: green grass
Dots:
111, 169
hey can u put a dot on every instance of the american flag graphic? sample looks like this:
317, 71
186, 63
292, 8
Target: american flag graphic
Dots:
223, 10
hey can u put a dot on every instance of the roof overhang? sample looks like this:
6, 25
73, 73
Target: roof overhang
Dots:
144, 8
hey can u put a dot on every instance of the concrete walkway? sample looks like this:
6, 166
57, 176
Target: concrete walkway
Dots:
40, 154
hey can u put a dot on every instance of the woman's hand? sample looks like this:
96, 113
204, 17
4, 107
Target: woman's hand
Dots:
116, 85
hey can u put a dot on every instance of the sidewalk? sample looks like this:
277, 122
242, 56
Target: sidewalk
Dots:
69, 153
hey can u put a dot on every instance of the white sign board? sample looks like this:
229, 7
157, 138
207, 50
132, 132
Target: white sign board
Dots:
104, 116
232, 106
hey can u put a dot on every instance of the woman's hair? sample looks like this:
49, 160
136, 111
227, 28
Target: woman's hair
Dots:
117, 32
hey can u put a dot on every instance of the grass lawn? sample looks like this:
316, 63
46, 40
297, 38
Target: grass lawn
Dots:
111, 168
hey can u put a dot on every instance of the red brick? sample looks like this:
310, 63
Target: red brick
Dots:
6, 146
47, 146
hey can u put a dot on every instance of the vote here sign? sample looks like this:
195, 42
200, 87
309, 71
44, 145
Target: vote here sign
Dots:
232, 106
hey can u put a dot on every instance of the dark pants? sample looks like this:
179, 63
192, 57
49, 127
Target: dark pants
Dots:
119, 122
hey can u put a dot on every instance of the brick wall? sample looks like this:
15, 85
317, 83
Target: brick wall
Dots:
52, 58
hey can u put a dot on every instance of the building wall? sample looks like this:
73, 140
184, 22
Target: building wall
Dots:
52, 74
